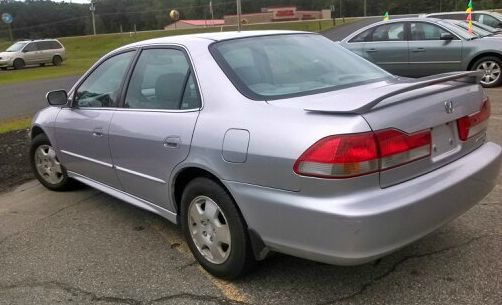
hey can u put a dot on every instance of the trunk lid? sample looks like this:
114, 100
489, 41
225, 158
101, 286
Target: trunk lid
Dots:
432, 103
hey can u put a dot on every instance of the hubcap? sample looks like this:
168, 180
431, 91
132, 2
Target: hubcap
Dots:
47, 164
209, 229
491, 71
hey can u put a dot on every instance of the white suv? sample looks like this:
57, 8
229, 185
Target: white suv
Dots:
33, 52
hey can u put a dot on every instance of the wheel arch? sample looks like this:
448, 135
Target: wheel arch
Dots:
36, 130
187, 174
481, 55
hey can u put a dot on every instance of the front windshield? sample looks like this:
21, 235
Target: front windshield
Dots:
498, 15
279, 66
476, 29
18, 46
484, 27
458, 30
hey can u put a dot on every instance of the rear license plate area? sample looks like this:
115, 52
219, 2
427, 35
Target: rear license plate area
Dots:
444, 141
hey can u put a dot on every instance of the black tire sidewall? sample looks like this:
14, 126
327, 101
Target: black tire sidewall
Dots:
57, 60
240, 258
19, 65
65, 184
489, 58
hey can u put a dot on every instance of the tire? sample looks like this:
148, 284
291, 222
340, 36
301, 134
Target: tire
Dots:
3, 68
493, 71
18, 64
44, 164
57, 60
235, 258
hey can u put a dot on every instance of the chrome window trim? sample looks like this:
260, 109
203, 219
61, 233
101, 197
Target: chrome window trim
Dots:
157, 110
192, 67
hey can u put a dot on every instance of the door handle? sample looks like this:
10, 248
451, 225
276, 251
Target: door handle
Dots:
172, 142
372, 50
98, 132
418, 50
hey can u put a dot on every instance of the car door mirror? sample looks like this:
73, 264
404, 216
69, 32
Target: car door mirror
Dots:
447, 36
57, 98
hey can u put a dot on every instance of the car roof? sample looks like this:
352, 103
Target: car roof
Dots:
455, 13
215, 36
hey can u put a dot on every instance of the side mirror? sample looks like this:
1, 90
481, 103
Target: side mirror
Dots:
57, 98
447, 36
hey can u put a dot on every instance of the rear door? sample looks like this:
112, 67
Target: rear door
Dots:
387, 47
429, 54
44, 47
82, 130
153, 130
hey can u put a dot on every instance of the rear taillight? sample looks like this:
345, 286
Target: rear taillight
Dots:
398, 148
475, 123
340, 157
354, 155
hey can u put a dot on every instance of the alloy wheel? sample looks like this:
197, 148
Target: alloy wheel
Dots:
47, 164
209, 229
491, 71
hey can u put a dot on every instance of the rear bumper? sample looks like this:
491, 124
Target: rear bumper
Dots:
369, 224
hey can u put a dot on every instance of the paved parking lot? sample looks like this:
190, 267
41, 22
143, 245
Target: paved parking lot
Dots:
85, 247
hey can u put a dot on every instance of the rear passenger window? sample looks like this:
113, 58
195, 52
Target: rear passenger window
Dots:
426, 31
162, 79
43, 45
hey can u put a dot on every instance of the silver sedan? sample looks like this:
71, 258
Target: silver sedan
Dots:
417, 47
271, 141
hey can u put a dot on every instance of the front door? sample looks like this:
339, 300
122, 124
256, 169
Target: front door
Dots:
152, 132
31, 54
429, 54
82, 130
388, 48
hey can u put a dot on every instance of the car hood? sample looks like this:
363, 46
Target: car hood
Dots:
358, 99
6, 54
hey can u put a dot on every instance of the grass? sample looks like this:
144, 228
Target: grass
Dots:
15, 124
85, 50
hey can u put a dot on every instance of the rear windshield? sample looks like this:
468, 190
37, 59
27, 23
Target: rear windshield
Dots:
280, 66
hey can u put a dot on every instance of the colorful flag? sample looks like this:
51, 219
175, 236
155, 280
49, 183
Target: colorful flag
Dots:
386, 16
469, 15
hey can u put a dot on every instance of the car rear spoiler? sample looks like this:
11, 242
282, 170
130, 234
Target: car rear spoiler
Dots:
469, 77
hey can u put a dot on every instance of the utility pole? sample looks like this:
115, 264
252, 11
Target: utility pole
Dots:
239, 13
92, 8
364, 8
211, 12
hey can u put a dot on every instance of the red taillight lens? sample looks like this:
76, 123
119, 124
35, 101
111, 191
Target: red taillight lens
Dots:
398, 148
340, 157
473, 124
354, 155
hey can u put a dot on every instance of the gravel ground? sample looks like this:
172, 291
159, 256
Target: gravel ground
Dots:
14, 163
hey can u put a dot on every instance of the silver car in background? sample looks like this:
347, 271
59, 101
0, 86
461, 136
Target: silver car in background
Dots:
417, 47
490, 18
271, 141
33, 52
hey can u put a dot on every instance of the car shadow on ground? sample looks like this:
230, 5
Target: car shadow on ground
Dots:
280, 278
